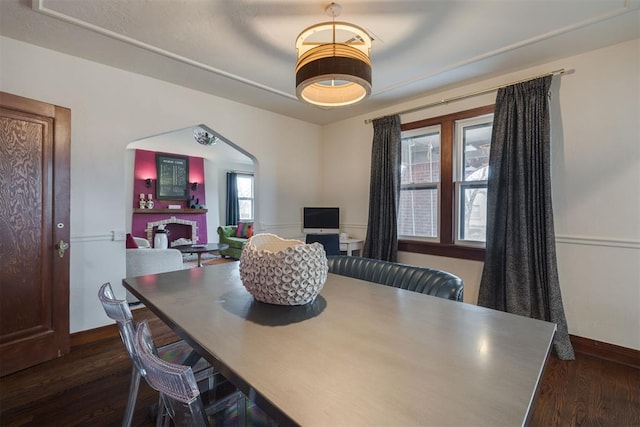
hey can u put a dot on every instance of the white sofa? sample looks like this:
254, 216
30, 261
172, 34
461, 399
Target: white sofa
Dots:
145, 260
142, 243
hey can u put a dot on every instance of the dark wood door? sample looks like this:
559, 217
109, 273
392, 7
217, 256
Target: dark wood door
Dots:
34, 221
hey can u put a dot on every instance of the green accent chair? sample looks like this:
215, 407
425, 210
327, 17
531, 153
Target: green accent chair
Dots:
227, 234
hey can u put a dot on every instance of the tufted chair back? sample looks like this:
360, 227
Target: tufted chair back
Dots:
425, 280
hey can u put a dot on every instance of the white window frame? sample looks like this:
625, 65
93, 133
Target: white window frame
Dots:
424, 185
460, 184
252, 198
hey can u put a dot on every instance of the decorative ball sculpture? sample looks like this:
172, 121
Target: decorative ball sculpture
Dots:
282, 271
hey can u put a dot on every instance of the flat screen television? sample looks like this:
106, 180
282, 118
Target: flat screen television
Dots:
320, 220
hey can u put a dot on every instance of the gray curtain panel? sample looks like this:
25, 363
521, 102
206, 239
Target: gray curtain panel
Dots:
384, 190
233, 206
520, 273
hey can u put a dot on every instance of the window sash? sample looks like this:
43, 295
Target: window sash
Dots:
427, 172
435, 237
246, 202
416, 134
464, 231
460, 143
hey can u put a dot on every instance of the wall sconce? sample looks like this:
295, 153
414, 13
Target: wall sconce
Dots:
149, 182
194, 186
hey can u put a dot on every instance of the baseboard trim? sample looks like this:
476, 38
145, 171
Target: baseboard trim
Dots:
603, 350
91, 336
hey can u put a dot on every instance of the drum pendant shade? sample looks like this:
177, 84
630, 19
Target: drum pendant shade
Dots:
333, 67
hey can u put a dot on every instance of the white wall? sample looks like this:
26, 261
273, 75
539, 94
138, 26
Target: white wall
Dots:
595, 172
213, 197
109, 109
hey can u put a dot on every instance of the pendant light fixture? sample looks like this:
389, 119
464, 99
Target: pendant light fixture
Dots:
333, 67
205, 138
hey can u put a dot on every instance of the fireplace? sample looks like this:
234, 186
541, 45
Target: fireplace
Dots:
177, 228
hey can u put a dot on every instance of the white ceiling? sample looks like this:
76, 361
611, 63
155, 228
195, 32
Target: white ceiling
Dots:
244, 50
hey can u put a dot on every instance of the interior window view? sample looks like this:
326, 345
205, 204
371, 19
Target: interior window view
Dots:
473, 140
398, 224
444, 179
420, 176
245, 196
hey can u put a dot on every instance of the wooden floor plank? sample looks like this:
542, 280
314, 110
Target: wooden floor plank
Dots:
588, 392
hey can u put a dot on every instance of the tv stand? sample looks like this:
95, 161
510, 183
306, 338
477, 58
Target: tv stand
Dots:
351, 245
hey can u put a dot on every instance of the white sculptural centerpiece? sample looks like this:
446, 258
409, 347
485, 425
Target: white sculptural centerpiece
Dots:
283, 271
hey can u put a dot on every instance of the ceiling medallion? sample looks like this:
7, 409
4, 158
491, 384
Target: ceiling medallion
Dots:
205, 138
333, 67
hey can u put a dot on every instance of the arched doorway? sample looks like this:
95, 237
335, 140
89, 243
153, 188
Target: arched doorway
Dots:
210, 164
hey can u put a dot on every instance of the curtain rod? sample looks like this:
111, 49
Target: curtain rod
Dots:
241, 172
470, 95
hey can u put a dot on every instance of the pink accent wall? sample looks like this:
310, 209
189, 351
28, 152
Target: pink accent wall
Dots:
144, 168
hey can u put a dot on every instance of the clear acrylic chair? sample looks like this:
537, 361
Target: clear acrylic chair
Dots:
180, 398
178, 352
179, 393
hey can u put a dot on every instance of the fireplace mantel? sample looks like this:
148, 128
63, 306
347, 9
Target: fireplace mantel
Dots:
169, 211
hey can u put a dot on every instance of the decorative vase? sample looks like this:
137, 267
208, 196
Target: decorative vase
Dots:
282, 271
160, 241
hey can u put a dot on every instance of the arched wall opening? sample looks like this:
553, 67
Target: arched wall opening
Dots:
208, 166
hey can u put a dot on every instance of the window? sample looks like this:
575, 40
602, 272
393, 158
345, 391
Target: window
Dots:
473, 139
245, 196
419, 181
444, 169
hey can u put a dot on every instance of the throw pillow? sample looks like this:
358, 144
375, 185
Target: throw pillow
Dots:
131, 242
245, 230
249, 231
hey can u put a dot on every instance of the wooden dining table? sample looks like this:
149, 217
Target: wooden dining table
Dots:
360, 354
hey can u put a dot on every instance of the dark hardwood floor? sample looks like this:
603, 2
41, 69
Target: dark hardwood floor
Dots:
89, 387
588, 392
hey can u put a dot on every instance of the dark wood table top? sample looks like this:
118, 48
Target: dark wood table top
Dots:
360, 354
